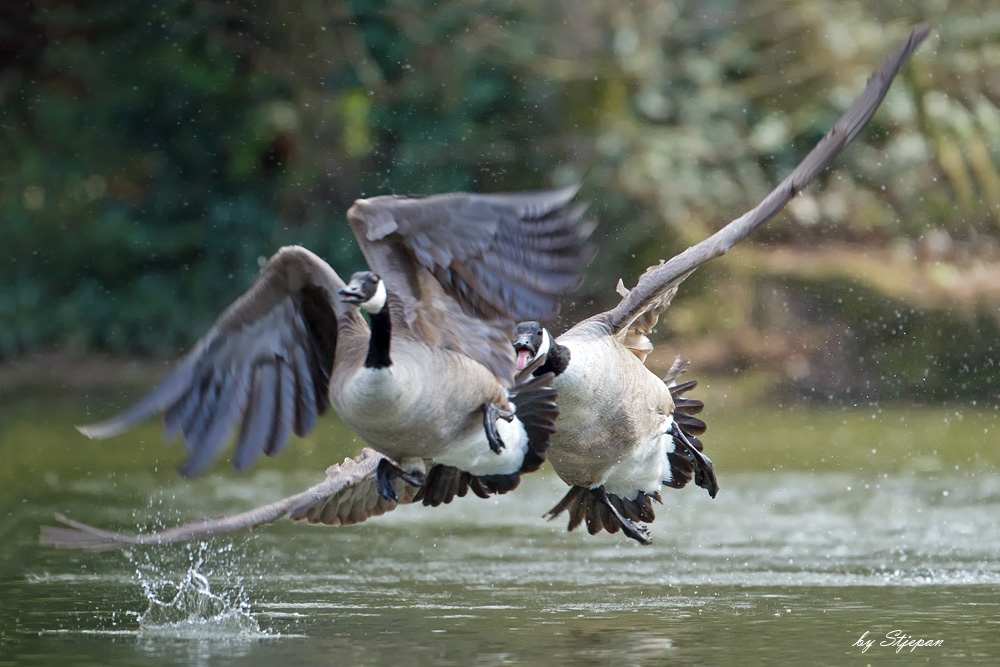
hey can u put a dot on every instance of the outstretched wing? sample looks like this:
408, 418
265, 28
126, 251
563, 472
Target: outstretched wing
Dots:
466, 266
264, 366
347, 496
636, 314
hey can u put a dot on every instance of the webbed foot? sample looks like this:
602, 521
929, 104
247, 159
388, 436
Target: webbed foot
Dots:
413, 478
631, 529
491, 413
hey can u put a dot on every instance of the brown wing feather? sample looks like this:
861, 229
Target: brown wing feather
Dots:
345, 497
653, 291
636, 336
440, 321
492, 259
264, 367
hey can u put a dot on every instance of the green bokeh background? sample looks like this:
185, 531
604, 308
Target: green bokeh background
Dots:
153, 154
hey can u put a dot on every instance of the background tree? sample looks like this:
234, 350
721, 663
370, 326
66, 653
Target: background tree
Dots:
152, 154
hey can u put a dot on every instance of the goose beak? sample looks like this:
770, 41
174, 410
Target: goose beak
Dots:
353, 293
351, 296
529, 339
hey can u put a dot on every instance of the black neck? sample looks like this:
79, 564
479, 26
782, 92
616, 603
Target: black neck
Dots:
556, 361
378, 344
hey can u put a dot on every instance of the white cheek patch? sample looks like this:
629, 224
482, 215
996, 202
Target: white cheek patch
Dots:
377, 302
546, 345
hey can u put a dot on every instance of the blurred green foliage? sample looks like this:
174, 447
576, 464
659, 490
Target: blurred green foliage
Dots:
153, 154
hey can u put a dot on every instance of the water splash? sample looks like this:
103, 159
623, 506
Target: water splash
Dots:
189, 608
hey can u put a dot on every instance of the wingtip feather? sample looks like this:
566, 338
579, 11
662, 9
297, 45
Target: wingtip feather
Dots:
103, 430
78, 536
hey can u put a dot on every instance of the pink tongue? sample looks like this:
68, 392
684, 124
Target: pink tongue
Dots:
523, 357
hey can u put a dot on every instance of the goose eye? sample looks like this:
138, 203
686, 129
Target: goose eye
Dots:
538, 333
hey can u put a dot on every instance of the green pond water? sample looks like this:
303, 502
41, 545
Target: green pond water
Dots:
832, 522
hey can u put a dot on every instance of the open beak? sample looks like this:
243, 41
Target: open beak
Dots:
524, 356
352, 294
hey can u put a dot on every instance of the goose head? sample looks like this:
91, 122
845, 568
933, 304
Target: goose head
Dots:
366, 290
531, 341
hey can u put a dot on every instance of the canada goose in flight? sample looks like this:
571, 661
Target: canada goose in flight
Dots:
431, 380
349, 494
346, 496
622, 431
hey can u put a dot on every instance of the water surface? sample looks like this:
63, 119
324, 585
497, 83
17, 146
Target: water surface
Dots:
831, 522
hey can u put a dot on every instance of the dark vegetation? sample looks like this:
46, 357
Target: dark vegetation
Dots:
153, 153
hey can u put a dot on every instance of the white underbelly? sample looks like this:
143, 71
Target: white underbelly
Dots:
645, 467
472, 452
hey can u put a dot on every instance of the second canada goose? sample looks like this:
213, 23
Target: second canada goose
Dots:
622, 431
431, 380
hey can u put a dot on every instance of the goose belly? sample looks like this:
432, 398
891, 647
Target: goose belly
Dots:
407, 410
644, 469
376, 399
614, 414
472, 452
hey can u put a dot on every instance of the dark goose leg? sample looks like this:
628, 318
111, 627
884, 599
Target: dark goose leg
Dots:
386, 475
491, 413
